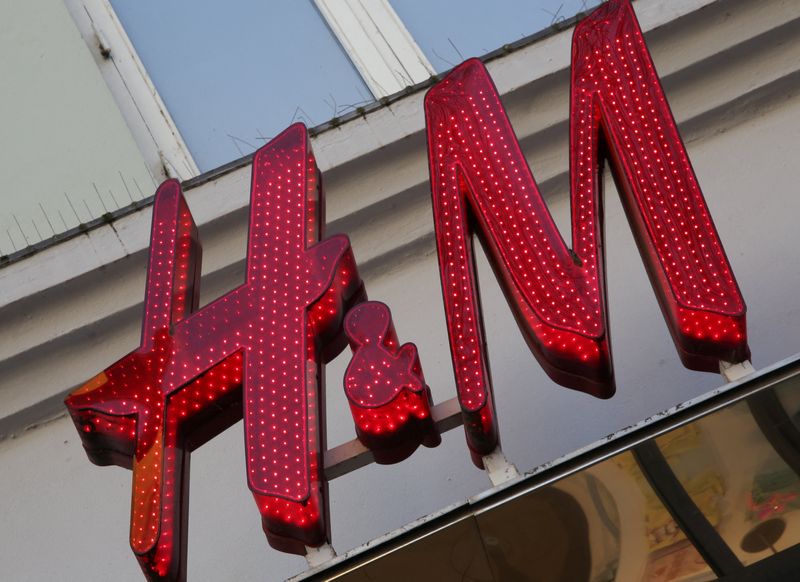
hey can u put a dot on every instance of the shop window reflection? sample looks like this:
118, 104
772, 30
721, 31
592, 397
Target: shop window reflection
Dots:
451, 554
601, 525
541, 536
653, 548
738, 480
788, 394
723, 487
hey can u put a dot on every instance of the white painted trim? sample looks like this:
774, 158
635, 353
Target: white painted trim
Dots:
499, 469
153, 130
733, 372
317, 557
378, 43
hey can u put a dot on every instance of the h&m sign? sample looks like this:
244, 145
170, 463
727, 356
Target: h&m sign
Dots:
258, 352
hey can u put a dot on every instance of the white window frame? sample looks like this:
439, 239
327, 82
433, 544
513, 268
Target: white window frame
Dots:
370, 32
145, 114
378, 44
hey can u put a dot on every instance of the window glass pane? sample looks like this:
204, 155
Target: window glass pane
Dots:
449, 31
452, 554
738, 479
607, 523
234, 74
789, 397
652, 546
604, 524
550, 535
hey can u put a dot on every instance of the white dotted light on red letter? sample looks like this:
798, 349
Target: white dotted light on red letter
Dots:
260, 348
480, 180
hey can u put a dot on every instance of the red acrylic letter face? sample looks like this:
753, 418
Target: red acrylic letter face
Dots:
617, 110
389, 400
259, 349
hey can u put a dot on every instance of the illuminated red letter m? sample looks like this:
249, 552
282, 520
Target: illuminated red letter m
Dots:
481, 183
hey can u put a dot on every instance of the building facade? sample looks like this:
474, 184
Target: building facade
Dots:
70, 305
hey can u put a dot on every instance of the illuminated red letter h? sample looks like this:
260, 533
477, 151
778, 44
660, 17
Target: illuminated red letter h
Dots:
271, 336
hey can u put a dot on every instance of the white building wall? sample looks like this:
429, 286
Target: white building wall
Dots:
731, 71
62, 131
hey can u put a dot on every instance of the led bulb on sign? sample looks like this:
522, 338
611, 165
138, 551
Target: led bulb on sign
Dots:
618, 111
384, 384
257, 352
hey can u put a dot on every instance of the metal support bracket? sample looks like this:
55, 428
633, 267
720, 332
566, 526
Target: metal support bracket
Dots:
733, 372
319, 556
499, 469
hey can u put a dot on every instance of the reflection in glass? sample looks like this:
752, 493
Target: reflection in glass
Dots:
450, 31
453, 554
789, 396
726, 477
655, 549
234, 74
738, 480
544, 535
